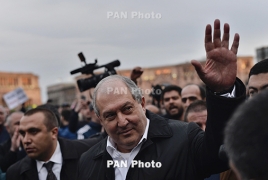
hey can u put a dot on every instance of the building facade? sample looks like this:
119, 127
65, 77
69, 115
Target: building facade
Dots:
262, 53
27, 81
62, 93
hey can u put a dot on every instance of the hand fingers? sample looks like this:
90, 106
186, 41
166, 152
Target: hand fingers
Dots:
198, 67
225, 37
208, 39
235, 43
217, 34
74, 104
15, 134
18, 140
138, 68
139, 72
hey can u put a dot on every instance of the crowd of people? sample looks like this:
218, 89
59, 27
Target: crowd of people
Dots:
116, 135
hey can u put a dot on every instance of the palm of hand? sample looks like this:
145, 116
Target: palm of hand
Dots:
221, 62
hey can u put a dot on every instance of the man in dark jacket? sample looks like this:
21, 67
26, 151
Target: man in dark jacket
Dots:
142, 145
39, 133
11, 151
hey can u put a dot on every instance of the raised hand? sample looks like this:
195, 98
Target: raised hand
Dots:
136, 73
219, 72
15, 140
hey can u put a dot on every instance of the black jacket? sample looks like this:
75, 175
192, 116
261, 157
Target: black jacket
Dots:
71, 151
7, 157
184, 150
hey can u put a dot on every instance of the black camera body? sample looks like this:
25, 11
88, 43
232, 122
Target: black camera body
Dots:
91, 82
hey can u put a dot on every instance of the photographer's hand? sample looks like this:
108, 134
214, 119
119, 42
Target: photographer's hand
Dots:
76, 106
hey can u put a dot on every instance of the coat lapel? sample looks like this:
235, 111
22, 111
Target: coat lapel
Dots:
28, 169
70, 159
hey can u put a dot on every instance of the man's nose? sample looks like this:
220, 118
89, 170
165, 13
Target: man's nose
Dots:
188, 102
121, 120
26, 139
171, 100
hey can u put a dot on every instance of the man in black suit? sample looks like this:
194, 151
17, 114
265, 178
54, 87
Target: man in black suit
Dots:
39, 134
142, 145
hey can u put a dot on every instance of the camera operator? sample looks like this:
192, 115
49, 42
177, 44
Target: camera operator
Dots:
89, 125
92, 127
79, 107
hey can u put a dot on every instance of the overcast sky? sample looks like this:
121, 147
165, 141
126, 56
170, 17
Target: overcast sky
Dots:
44, 37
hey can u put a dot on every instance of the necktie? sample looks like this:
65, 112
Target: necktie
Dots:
50, 174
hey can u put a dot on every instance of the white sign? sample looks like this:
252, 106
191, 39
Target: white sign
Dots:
15, 98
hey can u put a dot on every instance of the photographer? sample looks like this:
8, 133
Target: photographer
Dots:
79, 107
91, 128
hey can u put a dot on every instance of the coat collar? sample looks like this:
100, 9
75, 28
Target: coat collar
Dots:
158, 128
68, 152
28, 166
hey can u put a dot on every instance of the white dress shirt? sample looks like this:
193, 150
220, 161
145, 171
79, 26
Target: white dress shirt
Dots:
56, 158
121, 172
230, 95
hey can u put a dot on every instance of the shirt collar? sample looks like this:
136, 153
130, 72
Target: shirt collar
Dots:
111, 146
56, 158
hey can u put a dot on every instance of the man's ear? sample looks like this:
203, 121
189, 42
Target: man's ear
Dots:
54, 132
143, 103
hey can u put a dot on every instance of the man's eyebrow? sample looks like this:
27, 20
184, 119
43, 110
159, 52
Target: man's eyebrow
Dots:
251, 87
30, 129
264, 86
127, 103
33, 129
124, 105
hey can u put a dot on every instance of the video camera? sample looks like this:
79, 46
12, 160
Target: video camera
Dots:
87, 83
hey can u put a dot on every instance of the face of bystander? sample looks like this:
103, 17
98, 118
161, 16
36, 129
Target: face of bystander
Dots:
172, 103
199, 118
257, 83
189, 94
13, 121
39, 142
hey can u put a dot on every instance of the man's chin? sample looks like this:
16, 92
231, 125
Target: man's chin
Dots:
32, 156
128, 144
